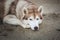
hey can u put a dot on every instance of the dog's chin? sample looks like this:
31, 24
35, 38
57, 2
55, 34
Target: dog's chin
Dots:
34, 29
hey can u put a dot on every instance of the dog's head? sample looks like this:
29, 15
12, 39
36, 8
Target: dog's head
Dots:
33, 17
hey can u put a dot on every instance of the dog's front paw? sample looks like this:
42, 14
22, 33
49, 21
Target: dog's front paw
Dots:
26, 26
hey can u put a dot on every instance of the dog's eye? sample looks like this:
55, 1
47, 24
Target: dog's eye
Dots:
41, 18
37, 19
30, 19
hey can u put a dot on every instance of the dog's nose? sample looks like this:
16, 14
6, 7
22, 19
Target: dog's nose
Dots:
35, 28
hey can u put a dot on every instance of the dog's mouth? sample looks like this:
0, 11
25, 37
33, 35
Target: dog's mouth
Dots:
35, 28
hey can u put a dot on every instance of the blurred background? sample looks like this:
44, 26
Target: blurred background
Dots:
49, 6
49, 29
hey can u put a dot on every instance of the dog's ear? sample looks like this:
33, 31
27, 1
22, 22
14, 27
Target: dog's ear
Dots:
25, 11
25, 18
40, 10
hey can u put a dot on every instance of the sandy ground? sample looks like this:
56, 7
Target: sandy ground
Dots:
49, 30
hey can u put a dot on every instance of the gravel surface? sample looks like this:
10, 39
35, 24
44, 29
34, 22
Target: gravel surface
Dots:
49, 30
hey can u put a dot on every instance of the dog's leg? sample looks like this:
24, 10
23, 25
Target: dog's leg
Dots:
11, 19
27, 26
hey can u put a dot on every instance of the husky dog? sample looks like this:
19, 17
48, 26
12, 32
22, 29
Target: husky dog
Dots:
23, 13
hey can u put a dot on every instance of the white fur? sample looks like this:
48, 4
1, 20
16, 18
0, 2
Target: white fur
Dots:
12, 19
34, 22
17, 20
40, 9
